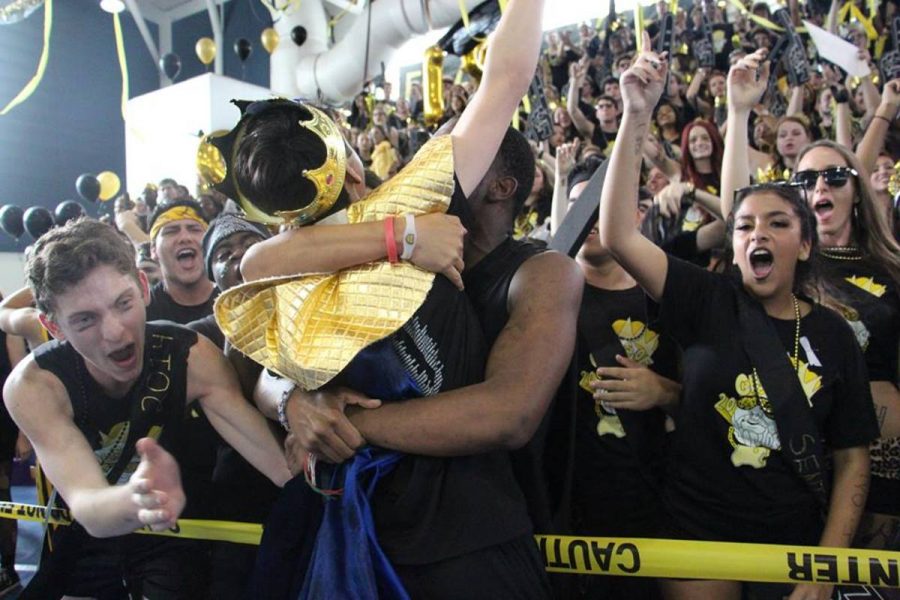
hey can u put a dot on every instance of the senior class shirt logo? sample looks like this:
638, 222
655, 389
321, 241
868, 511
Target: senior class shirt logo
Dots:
752, 433
639, 342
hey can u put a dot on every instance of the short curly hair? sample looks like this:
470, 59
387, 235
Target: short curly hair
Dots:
65, 255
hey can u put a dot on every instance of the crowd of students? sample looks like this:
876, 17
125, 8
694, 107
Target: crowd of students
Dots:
718, 362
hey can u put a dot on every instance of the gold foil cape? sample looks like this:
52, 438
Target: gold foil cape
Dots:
309, 327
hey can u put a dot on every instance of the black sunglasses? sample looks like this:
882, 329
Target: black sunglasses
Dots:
835, 177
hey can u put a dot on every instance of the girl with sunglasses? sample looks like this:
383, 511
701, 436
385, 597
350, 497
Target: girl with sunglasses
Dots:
861, 269
764, 366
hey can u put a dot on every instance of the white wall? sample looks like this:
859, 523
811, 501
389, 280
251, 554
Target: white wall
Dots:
12, 267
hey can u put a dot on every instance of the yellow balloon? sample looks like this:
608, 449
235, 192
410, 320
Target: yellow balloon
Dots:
206, 50
433, 84
109, 185
269, 39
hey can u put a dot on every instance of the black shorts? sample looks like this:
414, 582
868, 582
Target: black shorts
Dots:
511, 570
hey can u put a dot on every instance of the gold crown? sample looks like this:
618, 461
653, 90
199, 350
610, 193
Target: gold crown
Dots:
328, 178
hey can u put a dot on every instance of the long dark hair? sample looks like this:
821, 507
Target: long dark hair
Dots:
805, 274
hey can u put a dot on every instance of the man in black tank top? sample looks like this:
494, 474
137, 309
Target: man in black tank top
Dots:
532, 333
500, 558
101, 404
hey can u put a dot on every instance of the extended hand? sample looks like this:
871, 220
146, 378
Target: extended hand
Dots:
747, 80
318, 423
156, 486
642, 84
439, 247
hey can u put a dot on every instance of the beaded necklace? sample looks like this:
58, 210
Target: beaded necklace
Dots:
796, 356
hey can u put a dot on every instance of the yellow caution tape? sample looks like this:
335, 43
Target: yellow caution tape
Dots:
219, 531
635, 557
719, 561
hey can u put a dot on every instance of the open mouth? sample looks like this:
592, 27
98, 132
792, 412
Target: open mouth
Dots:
124, 355
186, 256
823, 207
761, 263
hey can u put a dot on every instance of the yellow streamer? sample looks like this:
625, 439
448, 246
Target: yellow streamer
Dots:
761, 21
850, 10
639, 26
123, 63
464, 13
502, 4
42, 64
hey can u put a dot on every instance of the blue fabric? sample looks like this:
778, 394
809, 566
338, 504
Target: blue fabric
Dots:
347, 562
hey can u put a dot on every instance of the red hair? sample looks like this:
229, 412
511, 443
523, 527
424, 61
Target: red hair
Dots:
689, 169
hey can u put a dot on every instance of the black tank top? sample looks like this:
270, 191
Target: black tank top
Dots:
487, 283
430, 509
154, 406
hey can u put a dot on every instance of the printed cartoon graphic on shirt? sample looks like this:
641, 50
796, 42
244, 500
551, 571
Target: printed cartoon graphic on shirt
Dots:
112, 444
639, 342
693, 219
753, 433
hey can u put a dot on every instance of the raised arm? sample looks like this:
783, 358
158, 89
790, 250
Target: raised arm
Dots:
842, 132
746, 85
212, 381
876, 132
795, 104
509, 68
577, 73
565, 162
39, 404
641, 87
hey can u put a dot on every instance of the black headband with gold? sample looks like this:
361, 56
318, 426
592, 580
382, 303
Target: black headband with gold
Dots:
217, 152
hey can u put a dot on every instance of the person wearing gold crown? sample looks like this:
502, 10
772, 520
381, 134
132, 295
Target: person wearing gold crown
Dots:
390, 330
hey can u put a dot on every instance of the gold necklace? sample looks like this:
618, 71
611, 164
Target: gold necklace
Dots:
796, 357
841, 252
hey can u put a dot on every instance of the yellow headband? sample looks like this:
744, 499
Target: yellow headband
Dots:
176, 213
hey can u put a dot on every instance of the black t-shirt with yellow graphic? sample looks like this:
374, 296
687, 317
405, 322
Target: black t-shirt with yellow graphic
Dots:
728, 479
867, 288
619, 457
874, 315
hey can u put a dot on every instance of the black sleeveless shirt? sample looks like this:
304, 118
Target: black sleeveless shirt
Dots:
154, 406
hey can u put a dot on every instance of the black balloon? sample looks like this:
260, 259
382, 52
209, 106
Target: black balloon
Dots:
11, 220
243, 48
37, 221
88, 187
170, 64
298, 34
66, 211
